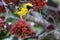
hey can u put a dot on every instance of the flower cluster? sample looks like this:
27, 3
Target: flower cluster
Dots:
2, 22
8, 1
38, 4
2, 9
15, 2
21, 28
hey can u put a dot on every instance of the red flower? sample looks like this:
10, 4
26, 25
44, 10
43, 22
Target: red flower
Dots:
39, 3
2, 9
23, 36
15, 2
33, 1
8, 1
2, 22
21, 28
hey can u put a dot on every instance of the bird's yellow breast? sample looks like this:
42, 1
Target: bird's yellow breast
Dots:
23, 12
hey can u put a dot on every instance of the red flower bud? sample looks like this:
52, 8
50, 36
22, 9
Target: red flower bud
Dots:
51, 27
2, 9
8, 1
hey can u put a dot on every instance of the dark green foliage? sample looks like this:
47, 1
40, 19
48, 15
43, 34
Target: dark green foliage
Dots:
51, 3
4, 34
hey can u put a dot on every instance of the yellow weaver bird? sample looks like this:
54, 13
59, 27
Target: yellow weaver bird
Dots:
24, 9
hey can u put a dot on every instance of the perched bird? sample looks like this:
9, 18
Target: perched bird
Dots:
24, 9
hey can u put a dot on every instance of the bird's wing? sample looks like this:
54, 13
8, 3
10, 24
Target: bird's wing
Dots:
20, 7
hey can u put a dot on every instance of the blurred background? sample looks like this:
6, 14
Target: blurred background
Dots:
45, 23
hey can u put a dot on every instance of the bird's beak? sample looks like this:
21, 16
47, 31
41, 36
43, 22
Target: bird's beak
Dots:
31, 7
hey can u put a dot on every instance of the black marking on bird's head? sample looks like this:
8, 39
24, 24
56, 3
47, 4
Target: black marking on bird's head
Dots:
29, 7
